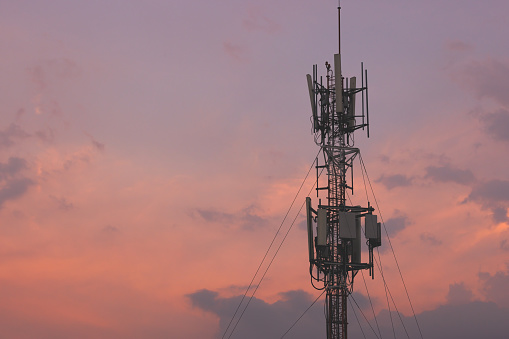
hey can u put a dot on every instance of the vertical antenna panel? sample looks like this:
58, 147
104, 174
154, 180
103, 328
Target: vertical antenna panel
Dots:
353, 84
351, 106
321, 230
367, 102
356, 243
370, 228
362, 86
310, 230
338, 83
312, 99
347, 225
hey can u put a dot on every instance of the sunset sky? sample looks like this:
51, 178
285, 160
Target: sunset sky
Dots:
149, 151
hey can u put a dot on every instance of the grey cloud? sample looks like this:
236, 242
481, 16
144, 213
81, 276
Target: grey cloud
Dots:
62, 203
98, 145
250, 220
395, 180
495, 287
499, 214
492, 195
497, 124
396, 224
448, 174
459, 294
363, 302
247, 218
487, 78
302, 223
471, 320
458, 319
504, 244
13, 166
264, 320
37, 76
430, 239
14, 189
215, 216
493, 190
45, 135
11, 134
62, 68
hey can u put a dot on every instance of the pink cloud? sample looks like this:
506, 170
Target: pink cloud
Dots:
257, 21
234, 51
458, 46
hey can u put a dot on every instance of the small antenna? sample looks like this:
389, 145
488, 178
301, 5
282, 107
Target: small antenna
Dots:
339, 26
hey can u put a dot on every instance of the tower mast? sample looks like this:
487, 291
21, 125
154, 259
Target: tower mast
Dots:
335, 243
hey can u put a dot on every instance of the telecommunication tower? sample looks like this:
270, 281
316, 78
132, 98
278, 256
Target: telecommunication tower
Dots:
334, 227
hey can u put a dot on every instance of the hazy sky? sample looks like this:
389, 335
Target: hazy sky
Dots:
149, 151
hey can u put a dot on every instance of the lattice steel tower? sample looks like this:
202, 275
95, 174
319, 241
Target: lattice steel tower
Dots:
335, 243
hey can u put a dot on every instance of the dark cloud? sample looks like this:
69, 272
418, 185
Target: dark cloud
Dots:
251, 220
448, 174
397, 223
430, 239
98, 145
215, 216
459, 294
12, 167
362, 301
487, 78
504, 245
45, 135
302, 223
247, 218
12, 183
469, 320
492, 195
10, 135
497, 124
499, 214
14, 189
460, 318
496, 287
395, 180
264, 320
62, 203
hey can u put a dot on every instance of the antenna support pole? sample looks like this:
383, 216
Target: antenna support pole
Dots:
339, 27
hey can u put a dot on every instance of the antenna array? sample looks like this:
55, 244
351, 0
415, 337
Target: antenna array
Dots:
334, 228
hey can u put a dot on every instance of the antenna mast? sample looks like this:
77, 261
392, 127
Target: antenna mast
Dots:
334, 228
